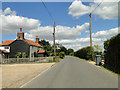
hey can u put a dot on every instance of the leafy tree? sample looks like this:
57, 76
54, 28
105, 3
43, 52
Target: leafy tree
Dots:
62, 55
63, 49
98, 47
70, 51
47, 47
71, 54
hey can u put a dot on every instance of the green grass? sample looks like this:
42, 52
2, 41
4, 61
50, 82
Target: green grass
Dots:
110, 70
82, 58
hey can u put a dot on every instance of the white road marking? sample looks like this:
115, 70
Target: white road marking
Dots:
34, 78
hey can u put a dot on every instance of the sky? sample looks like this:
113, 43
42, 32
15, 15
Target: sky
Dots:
71, 21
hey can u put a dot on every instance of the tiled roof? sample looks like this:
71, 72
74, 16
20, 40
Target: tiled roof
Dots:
7, 42
32, 43
4, 51
28, 41
41, 51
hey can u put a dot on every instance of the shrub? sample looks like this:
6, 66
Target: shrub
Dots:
112, 54
18, 55
24, 55
62, 55
71, 54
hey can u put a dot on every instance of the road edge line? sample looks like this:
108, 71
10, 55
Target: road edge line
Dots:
35, 77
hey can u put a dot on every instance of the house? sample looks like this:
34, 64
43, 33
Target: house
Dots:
22, 45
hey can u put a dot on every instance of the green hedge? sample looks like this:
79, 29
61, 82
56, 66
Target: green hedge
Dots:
85, 53
112, 53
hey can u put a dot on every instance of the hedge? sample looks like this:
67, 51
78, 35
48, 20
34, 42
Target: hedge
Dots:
112, 54
84, 53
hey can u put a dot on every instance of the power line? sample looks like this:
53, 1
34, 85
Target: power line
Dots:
47, 10
97, 6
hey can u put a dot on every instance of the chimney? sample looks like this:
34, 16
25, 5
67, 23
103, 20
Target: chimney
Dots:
20, 29
37, 39
20, 35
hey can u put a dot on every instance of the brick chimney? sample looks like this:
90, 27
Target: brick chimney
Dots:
37, 39
20, 35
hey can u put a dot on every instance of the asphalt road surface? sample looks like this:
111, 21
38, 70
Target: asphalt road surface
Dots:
72, 72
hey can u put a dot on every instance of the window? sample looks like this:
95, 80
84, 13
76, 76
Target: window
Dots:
6, 47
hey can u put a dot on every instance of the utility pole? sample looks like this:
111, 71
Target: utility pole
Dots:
90, 35
90, 30
54, 37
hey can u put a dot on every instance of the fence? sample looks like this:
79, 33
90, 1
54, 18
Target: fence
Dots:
24, 60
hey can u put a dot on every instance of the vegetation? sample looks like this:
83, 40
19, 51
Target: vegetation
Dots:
47, 47
85, 53
112, 54
70, 51
71, 54
62, 55
24, 55
98, 48
20, 55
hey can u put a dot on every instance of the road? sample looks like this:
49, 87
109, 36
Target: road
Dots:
72, 72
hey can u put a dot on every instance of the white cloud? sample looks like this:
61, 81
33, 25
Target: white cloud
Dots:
62, 32
106, 33
107, 10
11, 23
8, 11
77, 9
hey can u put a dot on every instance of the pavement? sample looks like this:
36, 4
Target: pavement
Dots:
15, 75
72, 72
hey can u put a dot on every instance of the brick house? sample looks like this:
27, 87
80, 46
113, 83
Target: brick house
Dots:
22, 45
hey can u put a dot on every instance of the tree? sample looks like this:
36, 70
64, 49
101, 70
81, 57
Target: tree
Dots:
63, 49
47, 47
98, 47
70, 51
62, 55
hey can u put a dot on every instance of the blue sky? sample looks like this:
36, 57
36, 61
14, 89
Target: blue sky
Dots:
59, 11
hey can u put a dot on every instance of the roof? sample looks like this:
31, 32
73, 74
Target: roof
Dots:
7, 42
4, 51
41, 51
28, 41
33, 43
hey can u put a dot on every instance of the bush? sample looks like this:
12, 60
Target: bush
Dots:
112, 54
24, 55
84, 53
62, 55
71, 54
18, 55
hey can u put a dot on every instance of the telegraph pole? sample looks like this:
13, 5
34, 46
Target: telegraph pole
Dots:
90, 30
54, 37
90, 35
